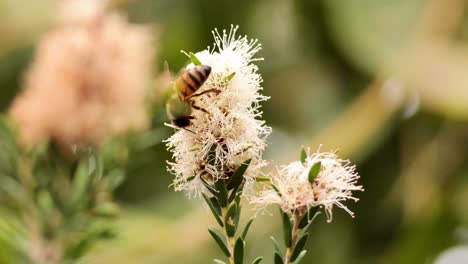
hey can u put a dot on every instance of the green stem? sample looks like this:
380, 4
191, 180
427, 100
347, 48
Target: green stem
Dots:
230, 240
295, 232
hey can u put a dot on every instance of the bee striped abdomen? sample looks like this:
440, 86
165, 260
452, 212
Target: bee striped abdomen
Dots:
192, 79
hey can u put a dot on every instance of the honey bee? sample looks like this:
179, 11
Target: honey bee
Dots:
180, 104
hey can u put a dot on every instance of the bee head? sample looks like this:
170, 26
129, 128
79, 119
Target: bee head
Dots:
181, 122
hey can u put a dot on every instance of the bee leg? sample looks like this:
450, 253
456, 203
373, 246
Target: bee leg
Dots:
171, 126
186, 129
178, 128
198, 107
213, 90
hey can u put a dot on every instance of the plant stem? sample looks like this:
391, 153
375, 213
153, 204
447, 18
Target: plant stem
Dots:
230, 240
295, 231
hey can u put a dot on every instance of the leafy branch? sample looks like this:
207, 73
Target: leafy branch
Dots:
224, 203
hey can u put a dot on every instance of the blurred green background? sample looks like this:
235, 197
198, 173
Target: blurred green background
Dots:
386, 82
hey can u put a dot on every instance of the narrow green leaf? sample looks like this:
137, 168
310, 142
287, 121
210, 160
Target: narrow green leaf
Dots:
235, 193
230, 229
314, 171
217, 261
99, 163
191, 178
222, 192
45, 203
216, 205
194, 59
304, 221
213, 209
304, 229
237, 216
287, 229
299, 258
277, 246
278, 259
236, 179
276, 190
262, 179
246, 228
239, 251
106, 209
115, 178
209, 187
257, 260
299, 246
81, 182
303, 154
230, 76
230, 211
229, 219
220, 240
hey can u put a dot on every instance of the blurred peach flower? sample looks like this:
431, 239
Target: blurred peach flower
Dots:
88, 79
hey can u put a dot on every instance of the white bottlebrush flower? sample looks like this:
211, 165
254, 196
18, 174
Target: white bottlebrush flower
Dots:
295, 194
231, 132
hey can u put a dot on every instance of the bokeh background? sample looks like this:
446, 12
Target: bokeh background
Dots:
385, 82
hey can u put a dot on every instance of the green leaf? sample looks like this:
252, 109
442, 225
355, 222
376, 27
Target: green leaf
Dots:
304, 221
237, 216
299, 246
236, 179
305, 228
239, 251
96, 165
229, 219
15, 190
106, 209
45, 203
217, 261
217, 207
222, 192
191, 178
303, 154
236, 193
276, 190
194, 59
278, 259
314, 171
262, 179
307, 217
246, 228
80, 185
230, 211
230, 229
277, 246
86, 240
209, 187
287, 229
299, 258
257, 260
115, 178
230, 76
220, 240
216, 213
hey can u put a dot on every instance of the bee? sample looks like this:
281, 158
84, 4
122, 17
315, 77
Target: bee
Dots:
180, 104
